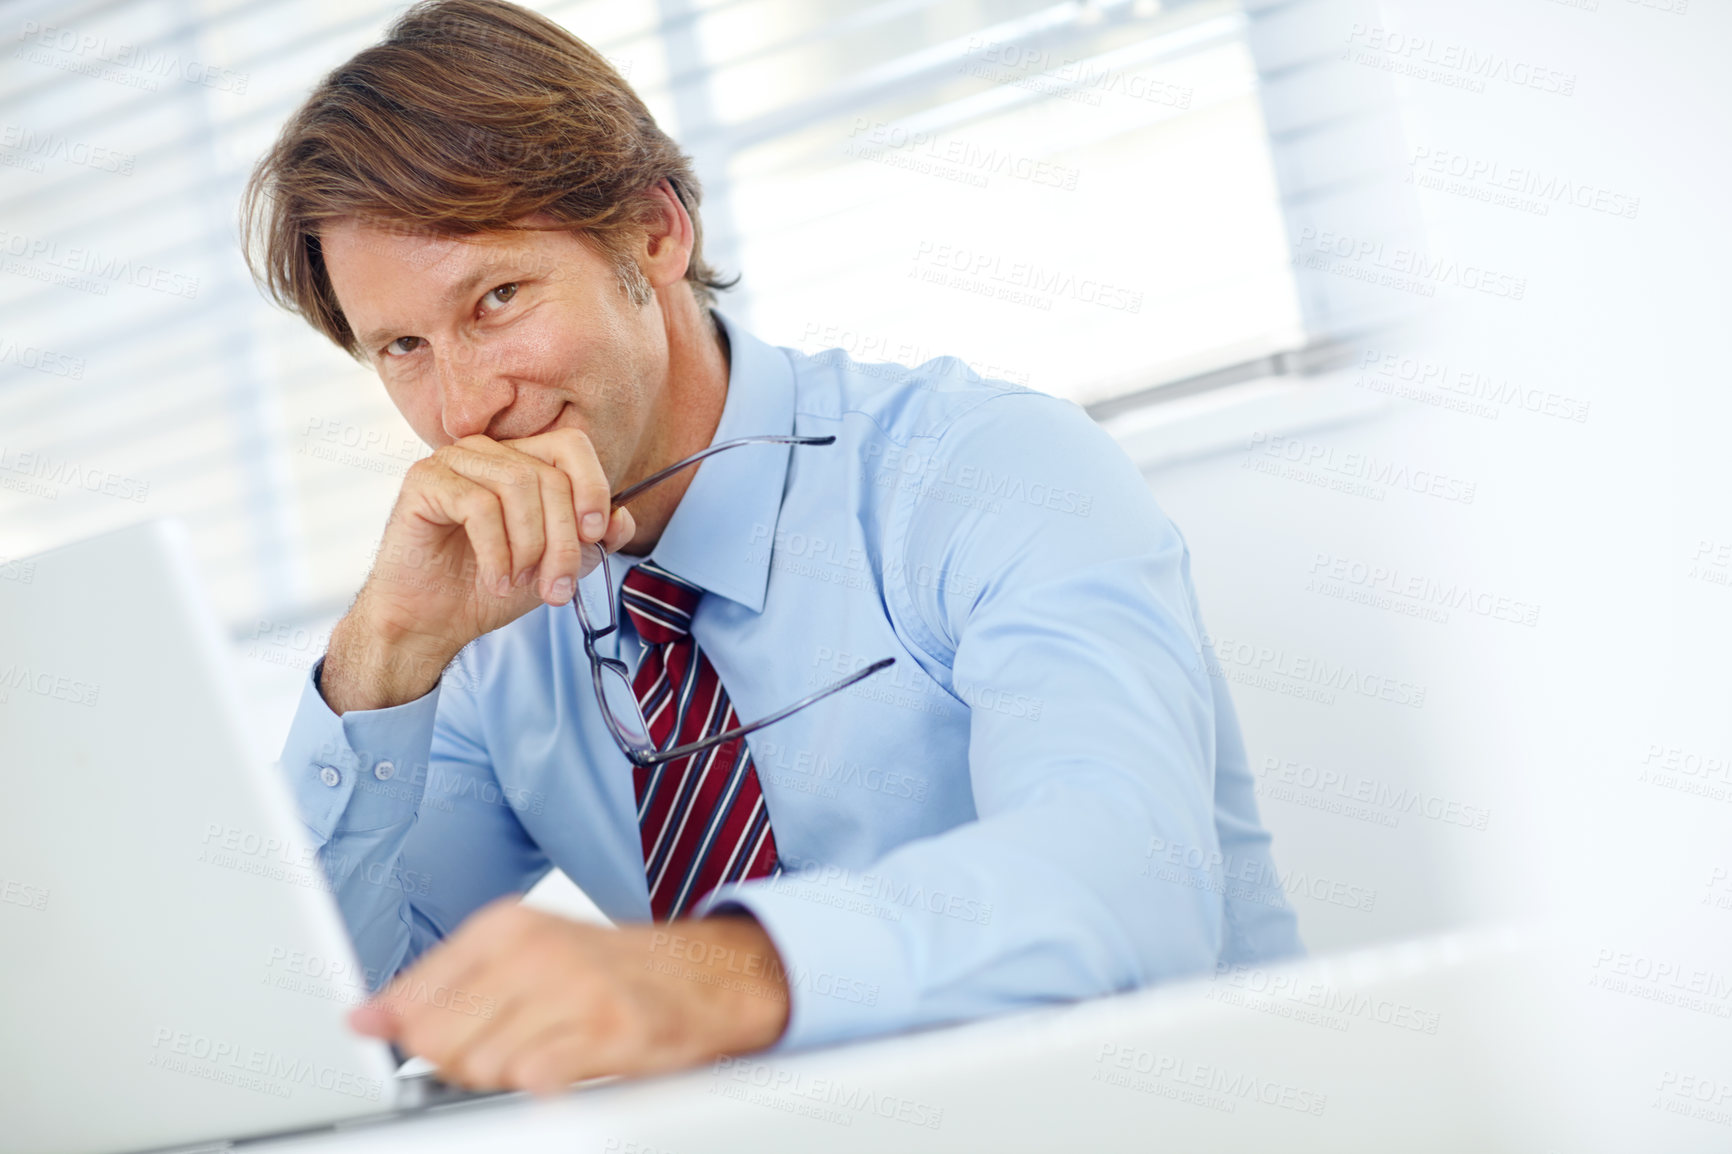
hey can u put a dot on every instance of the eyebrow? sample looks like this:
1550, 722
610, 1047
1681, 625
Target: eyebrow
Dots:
370, 339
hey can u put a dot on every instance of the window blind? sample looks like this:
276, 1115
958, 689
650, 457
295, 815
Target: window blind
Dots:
1079, 197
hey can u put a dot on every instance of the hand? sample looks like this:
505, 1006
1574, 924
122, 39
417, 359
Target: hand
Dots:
482, 532
521, 999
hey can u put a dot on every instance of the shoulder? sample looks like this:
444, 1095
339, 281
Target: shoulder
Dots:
950, 436
905, 403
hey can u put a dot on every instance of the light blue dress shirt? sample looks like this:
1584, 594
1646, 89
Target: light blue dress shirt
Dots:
1045, 798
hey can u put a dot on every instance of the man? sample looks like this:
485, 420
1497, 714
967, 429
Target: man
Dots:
1030, 789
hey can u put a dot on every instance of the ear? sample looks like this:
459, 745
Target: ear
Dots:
666, 249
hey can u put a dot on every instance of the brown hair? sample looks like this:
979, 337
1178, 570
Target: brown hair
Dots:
468, 116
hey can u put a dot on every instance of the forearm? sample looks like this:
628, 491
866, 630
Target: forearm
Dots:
1050, 902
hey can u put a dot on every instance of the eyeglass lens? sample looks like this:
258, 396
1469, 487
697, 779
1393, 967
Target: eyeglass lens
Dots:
621, 701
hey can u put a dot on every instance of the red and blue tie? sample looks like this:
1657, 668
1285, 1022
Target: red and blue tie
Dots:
702, 817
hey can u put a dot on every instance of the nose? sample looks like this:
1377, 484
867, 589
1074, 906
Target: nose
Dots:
471, 396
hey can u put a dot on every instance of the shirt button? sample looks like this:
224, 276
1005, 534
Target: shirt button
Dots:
330, 776
384, 770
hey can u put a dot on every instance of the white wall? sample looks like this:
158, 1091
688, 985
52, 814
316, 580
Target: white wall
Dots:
1393, 812
1598, 737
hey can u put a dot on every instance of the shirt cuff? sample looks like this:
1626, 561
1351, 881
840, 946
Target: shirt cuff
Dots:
848, 974
364, 770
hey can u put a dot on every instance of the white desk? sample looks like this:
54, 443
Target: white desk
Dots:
1474, 1042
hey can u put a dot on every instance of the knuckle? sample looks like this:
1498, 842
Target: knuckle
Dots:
525, 522
572, 436
427, 468
556, 482
614, 1029
420, 1037
477, 502
481, 1069
499, 914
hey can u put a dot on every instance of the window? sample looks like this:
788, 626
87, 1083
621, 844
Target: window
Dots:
1077, 196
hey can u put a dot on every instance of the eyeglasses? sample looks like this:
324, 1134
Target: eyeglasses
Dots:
597, 614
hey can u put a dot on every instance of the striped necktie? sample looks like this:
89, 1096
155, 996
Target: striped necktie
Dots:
702, 817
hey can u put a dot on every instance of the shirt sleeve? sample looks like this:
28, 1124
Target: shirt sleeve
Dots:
412, 827
1060, 610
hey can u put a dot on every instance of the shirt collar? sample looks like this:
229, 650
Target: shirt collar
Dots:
719, 536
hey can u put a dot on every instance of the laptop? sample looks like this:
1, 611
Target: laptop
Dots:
173, 967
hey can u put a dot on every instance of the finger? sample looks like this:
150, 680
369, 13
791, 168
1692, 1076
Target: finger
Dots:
514, 479
375, 1022
501, 967
562, 560
571, 451
488, 932
456, 500
591, 558
483, 1057
433, 1016
551, 1064
487, 997
620, 530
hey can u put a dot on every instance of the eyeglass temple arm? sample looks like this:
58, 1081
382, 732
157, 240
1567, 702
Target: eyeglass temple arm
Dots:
686, 750
631, 491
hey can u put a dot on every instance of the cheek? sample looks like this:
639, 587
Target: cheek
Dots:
586, 361
556, 336
538, 350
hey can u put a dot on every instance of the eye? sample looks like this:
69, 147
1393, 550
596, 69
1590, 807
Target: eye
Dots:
500, 296
396, 349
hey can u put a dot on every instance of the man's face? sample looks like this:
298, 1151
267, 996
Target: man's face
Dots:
507, 334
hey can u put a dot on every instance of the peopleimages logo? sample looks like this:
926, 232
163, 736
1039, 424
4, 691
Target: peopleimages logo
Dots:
1455, 65
77, 260
22, 141
141, 58
1067, 76
1247, 878
1289, 780
1017, 281
1221, 1088
951, 158
41, 360
17, 677
806, 873
252, 1067
1290, 995
936, 478
52, 472
1469, 390
1345, 466
1384, 585
795, 1087
1399, 267
1531, 189
1304, 675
